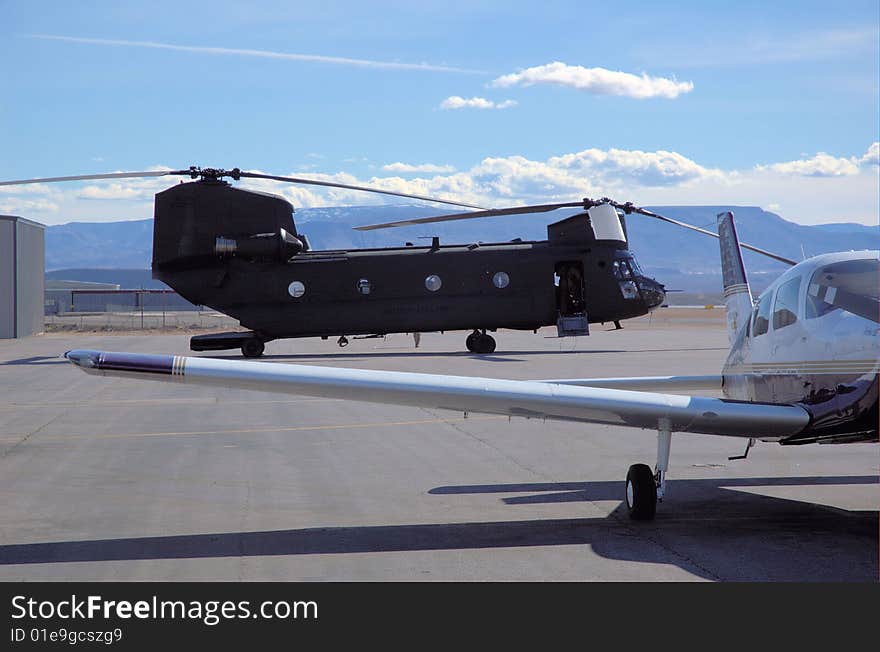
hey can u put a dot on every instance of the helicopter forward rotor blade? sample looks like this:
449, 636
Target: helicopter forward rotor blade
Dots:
492, 212
629, 208
330, 184
87, 177
586, 203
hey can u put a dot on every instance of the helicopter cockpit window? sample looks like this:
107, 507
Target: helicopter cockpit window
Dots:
622, 269
785, 308
850, 286
634, 265
761, 322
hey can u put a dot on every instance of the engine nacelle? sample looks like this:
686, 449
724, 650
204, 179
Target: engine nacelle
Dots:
281, 246
190, 217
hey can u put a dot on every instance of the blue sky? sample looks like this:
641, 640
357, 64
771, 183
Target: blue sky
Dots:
500, 103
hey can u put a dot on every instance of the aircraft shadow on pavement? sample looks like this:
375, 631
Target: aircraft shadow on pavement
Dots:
705, 528
37, 360
413, 354
496, 357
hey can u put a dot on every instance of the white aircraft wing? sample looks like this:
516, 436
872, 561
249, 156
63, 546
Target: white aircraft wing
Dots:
515, 398
647, 383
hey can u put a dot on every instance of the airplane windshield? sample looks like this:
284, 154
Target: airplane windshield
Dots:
761, 316
850, 286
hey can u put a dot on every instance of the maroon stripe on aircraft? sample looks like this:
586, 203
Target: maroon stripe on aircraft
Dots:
151, 364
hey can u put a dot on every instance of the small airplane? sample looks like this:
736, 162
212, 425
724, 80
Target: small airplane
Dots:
802, 368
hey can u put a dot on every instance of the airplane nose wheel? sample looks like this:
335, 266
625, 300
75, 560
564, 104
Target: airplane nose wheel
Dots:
480, 342
644, 487
641, 492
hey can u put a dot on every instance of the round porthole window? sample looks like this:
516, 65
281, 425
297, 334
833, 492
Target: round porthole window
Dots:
501, 280
296, 289
433, 283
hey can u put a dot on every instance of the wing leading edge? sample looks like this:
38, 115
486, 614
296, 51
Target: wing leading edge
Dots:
515, 398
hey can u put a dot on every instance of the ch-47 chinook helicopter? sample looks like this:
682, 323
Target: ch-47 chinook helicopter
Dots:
802, 368
239, 252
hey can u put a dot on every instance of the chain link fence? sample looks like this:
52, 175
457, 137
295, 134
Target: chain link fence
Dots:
129, 310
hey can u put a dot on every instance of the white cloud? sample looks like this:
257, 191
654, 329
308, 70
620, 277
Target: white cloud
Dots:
265, 54
141, 189
872, 156
456, 102
658, 168
644, 177
22, 207
27, 189
825, 165
112, 191
424, 167
596, 80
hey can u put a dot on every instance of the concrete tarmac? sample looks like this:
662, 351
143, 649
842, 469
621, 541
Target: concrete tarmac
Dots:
117, 479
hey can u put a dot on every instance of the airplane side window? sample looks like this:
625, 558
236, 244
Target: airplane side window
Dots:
785, 309
762, 316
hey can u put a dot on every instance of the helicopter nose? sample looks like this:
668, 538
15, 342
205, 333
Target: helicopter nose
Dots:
653, 292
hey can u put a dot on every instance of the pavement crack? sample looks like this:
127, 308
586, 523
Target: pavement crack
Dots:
646, 534
29, 435
528, 469
507, 456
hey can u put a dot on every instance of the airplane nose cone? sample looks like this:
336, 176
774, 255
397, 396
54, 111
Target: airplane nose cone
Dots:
83, 358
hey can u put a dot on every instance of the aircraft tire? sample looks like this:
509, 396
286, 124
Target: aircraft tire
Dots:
485, 344
252, 348
471, 342
641, 493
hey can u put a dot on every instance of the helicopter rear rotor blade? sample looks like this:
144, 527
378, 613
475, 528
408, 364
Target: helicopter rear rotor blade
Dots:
330, 184
87, 177
215, 174
492, 212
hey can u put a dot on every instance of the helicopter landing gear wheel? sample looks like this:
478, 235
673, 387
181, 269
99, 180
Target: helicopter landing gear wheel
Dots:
641, 492
480, 342
252, 348
485, 344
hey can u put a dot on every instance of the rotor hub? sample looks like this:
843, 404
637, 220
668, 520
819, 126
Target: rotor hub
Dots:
213, 174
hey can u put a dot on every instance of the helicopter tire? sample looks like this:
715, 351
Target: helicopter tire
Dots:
485, 344
252, 348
